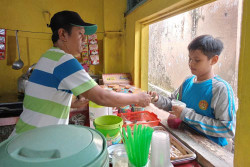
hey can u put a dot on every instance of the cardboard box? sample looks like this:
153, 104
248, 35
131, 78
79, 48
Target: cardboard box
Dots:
118, 78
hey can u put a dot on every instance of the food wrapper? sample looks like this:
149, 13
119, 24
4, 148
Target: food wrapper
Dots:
94, 59
85, 39
85, 48
93, 52
84, 53
93, 36
93, 47
2, 56
85, 59
85, 67
92, 39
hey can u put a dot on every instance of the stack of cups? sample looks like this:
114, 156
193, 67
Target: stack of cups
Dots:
160, 149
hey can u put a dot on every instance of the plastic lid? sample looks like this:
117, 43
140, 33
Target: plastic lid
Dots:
56, 145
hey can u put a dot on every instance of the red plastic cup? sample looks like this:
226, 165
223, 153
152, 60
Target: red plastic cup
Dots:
174, 122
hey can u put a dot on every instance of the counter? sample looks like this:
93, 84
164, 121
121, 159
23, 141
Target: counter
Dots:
208, 153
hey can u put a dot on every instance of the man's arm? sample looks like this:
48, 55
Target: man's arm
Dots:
113, 99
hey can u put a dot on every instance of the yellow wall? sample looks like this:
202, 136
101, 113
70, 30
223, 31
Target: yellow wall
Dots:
242, 151
114, 36
28, 15
136, 42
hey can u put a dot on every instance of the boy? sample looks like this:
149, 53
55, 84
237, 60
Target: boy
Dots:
58, 75
209, 100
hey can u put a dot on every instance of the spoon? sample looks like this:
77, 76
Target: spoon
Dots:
17, 65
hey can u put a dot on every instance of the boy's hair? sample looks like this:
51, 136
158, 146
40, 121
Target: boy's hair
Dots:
55, 35
209, 45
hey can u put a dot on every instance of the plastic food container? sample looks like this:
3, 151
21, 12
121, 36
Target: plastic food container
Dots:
110, 126
124, 109
140, 117
137, 108
55, 145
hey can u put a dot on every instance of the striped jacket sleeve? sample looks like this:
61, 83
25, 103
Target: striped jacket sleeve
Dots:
224, 121
165, 102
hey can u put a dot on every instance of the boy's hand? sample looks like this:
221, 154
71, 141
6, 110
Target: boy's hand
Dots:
144, 99
154, 96
176, 111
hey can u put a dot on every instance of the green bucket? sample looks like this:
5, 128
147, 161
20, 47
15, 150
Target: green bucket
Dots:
110, 126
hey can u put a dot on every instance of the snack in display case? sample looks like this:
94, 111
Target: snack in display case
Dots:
124, 109
122, 83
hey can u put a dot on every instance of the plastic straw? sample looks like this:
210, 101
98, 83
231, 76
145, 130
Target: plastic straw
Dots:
177, 96
137, 144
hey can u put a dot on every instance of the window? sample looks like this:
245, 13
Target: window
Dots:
168, 41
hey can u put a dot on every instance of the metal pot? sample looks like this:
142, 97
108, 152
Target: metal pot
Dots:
22, 80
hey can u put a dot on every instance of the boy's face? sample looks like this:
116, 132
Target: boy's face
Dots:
200, 65
75, 41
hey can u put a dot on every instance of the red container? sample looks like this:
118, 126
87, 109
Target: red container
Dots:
174, 122
140, 117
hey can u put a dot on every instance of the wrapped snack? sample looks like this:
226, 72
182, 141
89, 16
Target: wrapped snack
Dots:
94, 59
86, 67
93, 52
85, 48
92, 39
93, 47
117, 89
85, 59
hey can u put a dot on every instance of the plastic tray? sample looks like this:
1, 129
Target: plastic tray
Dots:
187, 156
140, 117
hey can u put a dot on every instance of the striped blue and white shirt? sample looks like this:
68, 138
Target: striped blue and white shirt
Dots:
48, 93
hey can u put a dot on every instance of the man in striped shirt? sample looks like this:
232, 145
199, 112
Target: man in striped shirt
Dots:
58, 75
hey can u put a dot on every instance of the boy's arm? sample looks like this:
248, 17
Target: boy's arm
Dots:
223, 125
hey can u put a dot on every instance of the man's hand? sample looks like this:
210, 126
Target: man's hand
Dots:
79, 102
176, 111
154, 96
144, 99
